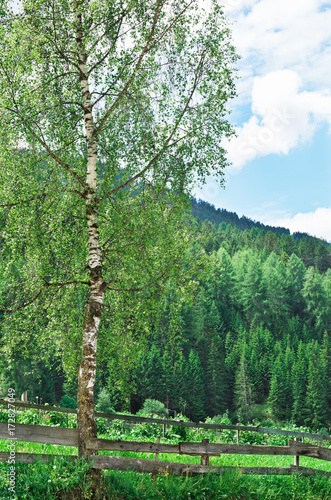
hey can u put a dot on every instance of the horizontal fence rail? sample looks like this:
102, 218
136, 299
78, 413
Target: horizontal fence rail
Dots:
212, 449
160, 467
32, 458
200, 425
69, 437
41, 434
155, 467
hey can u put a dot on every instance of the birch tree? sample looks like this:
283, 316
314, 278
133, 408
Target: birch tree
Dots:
110, 111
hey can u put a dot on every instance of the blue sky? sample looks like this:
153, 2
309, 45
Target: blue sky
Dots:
281, 172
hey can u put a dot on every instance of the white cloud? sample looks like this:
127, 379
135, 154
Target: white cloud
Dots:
233, 6
273, 36
315, 223
284, 34
284, 116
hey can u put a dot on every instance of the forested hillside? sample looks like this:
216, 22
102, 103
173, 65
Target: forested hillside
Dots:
206, 211
256, 329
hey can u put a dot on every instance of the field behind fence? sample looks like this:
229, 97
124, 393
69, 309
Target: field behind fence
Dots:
204, 449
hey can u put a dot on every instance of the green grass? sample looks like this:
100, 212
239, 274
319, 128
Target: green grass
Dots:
51, 449
57, 479
62, 479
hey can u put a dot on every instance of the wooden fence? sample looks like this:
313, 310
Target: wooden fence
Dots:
178, 423
205, 449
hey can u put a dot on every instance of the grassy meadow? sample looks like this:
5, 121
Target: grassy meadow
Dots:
63, 478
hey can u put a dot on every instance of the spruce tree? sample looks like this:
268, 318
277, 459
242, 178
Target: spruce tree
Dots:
280, 394
150, 376
299, 377
180, 396
215, 379
256, 375
275, 305
168, 378
326, 283
315, 300
195, 387
326, 360
251, 291
227, 277
295, 273
316, 400
244, 390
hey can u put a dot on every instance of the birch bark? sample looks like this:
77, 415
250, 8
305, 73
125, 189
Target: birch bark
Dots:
87, 369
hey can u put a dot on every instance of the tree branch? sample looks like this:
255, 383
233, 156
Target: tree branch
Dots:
166, 144
25, 303
64, 283
2, 205
120, 21
171, 24
41, 141
127, 85
139, 289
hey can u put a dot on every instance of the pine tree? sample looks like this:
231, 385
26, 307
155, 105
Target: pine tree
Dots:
244, 391
299, 377
251, 291
275, 307
316, 400
315, 299
295, 273
215, 379
280, 394
326, 360
195, 395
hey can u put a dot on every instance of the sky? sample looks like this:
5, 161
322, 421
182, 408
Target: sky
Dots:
281, 157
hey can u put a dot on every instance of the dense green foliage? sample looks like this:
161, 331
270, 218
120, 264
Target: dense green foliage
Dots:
206, 211
110, 111
255, 330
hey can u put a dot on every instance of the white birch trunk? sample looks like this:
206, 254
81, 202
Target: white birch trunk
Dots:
87, 370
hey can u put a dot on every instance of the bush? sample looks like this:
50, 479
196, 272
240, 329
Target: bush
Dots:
153, 407
102, 427
228, 435
147, 430
178, 431
104, 403
68, 402
56, 419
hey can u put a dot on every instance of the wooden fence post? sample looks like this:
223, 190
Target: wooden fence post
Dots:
157, 453
296, 457
205, 457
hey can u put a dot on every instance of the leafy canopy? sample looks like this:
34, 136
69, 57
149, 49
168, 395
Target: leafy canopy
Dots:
159, 76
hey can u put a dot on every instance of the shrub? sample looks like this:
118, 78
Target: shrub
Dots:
153, 407
104, 403
68, 402
179, 431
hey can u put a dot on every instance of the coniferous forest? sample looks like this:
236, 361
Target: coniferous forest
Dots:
254, 332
